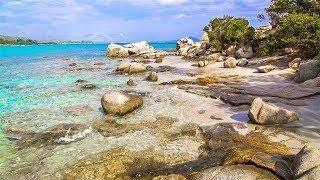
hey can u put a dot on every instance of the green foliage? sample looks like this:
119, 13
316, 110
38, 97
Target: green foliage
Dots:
229, 30
18, 41
297, 24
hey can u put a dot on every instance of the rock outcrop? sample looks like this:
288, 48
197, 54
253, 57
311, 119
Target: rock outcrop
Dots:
120, 103
133, 49
308, 70
188, 48
242, 62
264, 114
306, 164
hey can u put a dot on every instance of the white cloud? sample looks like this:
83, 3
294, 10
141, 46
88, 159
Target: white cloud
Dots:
181, 16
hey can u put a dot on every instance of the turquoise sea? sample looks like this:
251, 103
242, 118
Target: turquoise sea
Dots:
38, 81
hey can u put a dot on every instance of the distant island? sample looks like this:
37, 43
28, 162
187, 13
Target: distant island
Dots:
10, 40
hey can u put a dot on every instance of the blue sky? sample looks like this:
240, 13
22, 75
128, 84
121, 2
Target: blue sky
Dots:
119, 20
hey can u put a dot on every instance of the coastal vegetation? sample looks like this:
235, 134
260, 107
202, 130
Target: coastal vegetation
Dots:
7, 40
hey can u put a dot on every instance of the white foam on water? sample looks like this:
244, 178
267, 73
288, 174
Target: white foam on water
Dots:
75, 137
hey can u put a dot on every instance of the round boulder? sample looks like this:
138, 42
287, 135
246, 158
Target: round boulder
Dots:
245, 52
243, 62
120, 103
131, 68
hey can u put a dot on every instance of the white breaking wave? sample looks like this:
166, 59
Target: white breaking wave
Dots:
75, 137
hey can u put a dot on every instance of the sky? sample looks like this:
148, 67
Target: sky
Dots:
119, 20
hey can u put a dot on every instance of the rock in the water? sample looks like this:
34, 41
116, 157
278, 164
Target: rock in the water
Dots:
266, 69
120, 103
230, 63
245, 52
263, 113
17, 131
88, 86
231, 50
239, 172
117, 51
131, 68
77, 110
130, 82
153, 77
307, 159
309, 70
243, 62
133, 49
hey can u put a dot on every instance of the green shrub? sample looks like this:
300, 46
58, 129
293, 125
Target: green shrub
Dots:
229, 30
299, 31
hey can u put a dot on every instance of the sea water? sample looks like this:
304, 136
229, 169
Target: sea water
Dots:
37, 82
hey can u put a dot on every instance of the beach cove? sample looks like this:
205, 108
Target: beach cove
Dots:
191, 116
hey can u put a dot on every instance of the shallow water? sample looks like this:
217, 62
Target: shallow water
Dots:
38, 82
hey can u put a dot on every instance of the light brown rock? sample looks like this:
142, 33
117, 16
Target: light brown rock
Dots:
263, 113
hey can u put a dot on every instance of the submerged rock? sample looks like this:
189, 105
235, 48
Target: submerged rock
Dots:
77, 110
239, 172
131, 68
230, 63
88, 86
120, 103
263, 113
153, 77
59, 134
18, 131
266, 69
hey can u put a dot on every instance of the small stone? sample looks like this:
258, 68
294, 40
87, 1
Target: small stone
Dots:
131, 82
294, 64
159, 60
202, 111
153, 77
73, 64
89, 86
215, 118
266, 69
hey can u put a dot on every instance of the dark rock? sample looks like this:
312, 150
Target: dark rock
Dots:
153, 77
88, 86
131, 82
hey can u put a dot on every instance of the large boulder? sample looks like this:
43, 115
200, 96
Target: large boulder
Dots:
139, 48
188, 48
231, 50
265, 114
307, 163
205, 38
117, 51
120, 103
131, 68
133, 49
309, 70
230, 63
245, 52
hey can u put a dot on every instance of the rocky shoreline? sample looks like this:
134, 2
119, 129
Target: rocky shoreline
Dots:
244, 117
